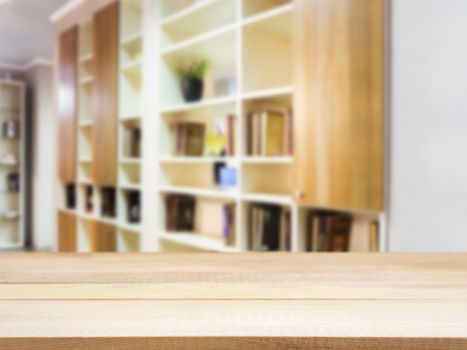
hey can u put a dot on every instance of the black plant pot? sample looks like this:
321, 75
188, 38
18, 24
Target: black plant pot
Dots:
192, 89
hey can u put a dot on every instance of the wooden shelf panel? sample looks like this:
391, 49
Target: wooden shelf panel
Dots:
198, 241
200, 192
258, 8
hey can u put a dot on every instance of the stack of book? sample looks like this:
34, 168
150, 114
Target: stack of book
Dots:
189, 139
197, 139
180, 213
270, 133
270, 228
108, 205
328, 231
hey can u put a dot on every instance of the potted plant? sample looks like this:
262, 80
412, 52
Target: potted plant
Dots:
191, 80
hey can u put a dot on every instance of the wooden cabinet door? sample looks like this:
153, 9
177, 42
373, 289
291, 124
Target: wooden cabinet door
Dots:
105, 238
67, 104
339, 103
105, 95
66, 232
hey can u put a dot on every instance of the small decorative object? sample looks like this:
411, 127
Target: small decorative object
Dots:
11, 129
13, 182
191, 80
228, 177
218, 166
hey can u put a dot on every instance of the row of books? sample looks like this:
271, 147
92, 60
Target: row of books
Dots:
198, 139
270, 133
132, 142
216, 220
332, 232
269, 228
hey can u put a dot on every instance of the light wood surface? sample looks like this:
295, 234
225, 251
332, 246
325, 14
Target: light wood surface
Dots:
67, 103
67, 232
105, 239
105, 92
339, 103
258, 301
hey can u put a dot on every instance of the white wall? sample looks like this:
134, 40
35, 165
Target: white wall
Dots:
428, 189
41, 80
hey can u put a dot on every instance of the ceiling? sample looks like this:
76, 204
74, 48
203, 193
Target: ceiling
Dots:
25, 30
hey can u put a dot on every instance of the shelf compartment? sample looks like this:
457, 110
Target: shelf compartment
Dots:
267, 59
360, 239
131, 90
131, 17
254, 107
268, 226
219, 49
210, 131
85, 110
128, 240
129, 173
200, 18
85, 42
87, 199
256, 178
131, 49
131, 139
129, 206
85, 143
85, 171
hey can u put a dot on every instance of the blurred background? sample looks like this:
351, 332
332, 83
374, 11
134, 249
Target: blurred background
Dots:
233, 125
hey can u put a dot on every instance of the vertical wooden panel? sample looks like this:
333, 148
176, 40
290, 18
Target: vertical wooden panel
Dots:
105, 95
67, 104
339, 77
67, 240
105, 239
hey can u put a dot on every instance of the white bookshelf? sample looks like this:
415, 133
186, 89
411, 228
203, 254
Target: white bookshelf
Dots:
130, 118
85, 148
12, 153
249, 41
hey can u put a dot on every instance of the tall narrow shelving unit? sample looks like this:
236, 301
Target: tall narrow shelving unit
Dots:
12, 111
87, 207
248, 44
130, 123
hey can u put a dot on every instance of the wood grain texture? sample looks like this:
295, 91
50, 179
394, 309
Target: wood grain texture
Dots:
105, 94
210, 301
67, 104
339, 103
67, 232
105, 238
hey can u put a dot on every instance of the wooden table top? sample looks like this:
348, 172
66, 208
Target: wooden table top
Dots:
249, 301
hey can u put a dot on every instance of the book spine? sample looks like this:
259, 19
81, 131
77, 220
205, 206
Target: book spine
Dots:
249, 134
230, 135
289, 133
